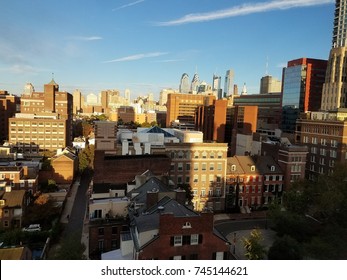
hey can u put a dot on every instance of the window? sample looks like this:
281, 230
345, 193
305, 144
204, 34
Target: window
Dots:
252, 168
203, 166
194, 239
114, 244
233, 167
211, 166
196, 166
272, 168
196, 178
101, 231
203, 192
114, 230
180, 166
219, 166
187, 166
178, 240
203, 178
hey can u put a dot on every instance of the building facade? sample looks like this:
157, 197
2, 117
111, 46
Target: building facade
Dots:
325, 135
302, 89
45, 122
335, 87
201, 166
9, 106
183, 107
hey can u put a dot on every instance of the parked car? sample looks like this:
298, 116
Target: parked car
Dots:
33, 227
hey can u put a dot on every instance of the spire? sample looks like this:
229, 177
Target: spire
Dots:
52, 82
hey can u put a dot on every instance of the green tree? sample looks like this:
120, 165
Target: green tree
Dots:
86, 159
285, 248
252, 244
71, 248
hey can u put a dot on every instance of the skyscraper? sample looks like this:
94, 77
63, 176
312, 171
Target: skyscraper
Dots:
340, 21
195, 83
77, 101
229, 83
184, 84
334, 93
216, 86
302, 89
269, 84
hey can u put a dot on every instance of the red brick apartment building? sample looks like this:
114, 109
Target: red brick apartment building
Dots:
325, 135
9, 106
252, 182
163, 228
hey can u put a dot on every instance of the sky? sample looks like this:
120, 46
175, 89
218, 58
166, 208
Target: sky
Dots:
146, 45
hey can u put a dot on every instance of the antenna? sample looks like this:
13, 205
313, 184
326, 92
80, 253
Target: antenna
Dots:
267, 66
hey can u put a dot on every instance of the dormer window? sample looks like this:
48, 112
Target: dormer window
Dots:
272, 168
187, 225
253, 168
233, 167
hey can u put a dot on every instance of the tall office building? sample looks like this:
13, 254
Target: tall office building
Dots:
340, 21
216, 86
229, 83
183, 107
184, 84
195, 83
303, 80
45, 121
269, 84
77, 101
335, 87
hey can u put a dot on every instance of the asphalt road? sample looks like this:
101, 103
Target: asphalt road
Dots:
75, 224
229, 226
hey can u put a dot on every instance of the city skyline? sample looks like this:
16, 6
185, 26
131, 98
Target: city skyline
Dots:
147, 45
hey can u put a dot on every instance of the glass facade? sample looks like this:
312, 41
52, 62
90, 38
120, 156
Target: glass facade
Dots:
294, 84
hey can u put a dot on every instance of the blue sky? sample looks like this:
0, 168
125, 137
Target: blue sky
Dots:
146, 45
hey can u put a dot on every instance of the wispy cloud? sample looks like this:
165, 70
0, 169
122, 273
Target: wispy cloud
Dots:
85, 38
169, 60
136, 57
245, 9
128, 5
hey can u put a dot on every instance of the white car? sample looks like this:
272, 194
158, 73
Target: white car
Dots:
33, 227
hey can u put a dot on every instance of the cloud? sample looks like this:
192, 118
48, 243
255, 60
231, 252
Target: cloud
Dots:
83, 38
136, 57
128, 5
245, 9
21, 69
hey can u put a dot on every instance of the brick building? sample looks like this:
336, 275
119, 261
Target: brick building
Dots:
162, 228
110, 168
45, 122
202, 166
252, 182
183, 107
12, 207
325, 135
9, 106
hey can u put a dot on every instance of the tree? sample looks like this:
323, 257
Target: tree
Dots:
285, 248
86, 159
189, 192
71, 248
254, 249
